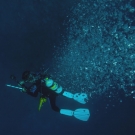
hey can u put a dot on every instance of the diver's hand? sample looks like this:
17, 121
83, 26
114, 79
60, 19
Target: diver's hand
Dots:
21, 84
23, 90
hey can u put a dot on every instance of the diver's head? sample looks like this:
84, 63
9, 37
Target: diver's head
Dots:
27, 76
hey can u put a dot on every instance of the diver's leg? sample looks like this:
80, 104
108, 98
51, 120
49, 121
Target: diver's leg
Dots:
52, 99
79, 97
81, 113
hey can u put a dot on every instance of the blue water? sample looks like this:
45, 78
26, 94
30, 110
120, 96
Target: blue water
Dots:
88, 46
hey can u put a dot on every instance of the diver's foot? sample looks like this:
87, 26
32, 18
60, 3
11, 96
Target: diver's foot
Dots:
81, 98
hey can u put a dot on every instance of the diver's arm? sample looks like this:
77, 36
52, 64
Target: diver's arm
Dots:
27, 90
33, 90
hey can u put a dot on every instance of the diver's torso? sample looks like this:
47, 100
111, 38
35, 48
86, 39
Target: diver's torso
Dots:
40, 87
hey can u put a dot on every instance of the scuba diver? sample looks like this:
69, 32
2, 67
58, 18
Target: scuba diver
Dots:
34, 84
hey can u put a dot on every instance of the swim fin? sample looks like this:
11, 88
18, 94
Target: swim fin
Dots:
81, 98
81, 114
42, 100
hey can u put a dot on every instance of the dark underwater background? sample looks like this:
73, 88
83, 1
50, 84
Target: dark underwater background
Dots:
30, 32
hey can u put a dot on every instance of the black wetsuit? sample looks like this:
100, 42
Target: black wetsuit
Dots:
39, 87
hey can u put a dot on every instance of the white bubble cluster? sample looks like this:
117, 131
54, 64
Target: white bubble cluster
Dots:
99, 50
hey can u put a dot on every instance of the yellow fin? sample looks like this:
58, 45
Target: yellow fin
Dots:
42, 100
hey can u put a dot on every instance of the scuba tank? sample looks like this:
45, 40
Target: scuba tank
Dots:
52, 85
